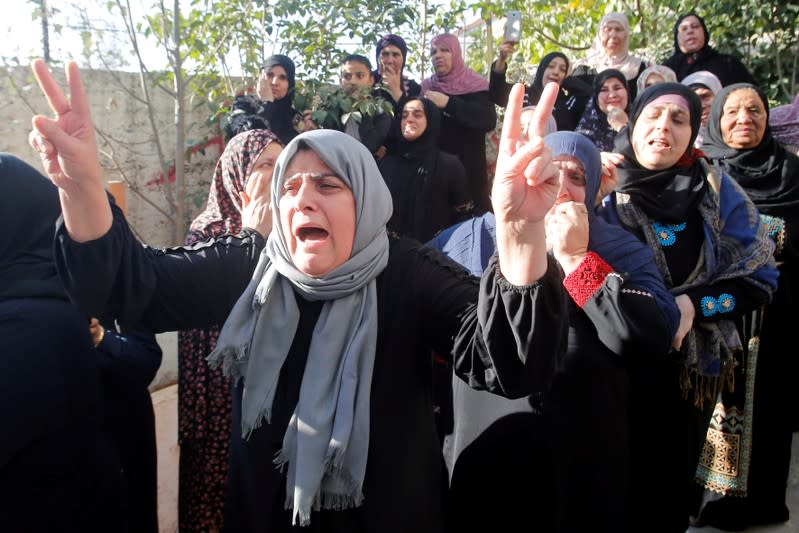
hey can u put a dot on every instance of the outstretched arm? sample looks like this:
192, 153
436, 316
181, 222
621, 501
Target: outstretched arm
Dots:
525, 186
68, 148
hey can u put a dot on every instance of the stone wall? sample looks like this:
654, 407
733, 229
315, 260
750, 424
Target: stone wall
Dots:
125, 139
127, 150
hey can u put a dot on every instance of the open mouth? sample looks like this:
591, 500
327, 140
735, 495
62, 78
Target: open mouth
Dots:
660, 144
311, 234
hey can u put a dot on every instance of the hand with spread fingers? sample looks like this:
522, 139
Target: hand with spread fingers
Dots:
68, 148
525, 187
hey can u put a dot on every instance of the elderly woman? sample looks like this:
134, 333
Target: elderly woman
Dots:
329, 344
428, 187
203, 393
462, 96
754, 487
274, 102
611, 49
606, 112
692, 52
716, 258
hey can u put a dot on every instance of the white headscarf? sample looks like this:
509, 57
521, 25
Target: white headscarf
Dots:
599, 60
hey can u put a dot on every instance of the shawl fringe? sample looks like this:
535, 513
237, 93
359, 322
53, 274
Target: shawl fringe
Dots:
707, 388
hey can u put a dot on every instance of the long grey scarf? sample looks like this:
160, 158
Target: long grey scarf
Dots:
326, 443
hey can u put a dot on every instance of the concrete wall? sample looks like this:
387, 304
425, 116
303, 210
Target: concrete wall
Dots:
127, 151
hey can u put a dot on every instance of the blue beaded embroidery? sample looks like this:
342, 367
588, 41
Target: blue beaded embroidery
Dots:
723, 304
726, 302
667, 233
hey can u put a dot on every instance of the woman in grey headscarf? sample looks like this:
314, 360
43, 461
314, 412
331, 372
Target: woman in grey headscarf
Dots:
330, 344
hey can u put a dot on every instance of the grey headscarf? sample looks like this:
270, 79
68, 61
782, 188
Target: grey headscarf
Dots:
327, 439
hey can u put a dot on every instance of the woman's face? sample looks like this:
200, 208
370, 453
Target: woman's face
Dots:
661, 135
555, 71
414, 121
264, 166
390, 57
690, 35
572, 179
743, 119
614, 38
652, 79
279, 81
613, 93
706, 97
441, 57
317, 215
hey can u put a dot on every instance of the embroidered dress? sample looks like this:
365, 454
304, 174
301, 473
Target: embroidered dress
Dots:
746, 458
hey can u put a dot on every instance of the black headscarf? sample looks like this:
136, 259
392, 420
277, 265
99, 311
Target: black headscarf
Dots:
411, 177
768, 173
538, 82
281, 112
29, 207
670, 194
681, 62
594, 122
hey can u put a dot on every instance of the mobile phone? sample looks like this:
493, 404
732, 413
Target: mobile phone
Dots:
513, 26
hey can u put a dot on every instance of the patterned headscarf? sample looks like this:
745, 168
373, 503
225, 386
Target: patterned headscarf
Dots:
461, 79
223, 211
326, 461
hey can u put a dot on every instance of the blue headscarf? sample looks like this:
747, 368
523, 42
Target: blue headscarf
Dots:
620, 249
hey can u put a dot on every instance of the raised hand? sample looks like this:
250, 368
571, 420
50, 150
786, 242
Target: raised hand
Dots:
567, 233
526, 181
66, 143
264, 91
525, 187
68, 148
391, 80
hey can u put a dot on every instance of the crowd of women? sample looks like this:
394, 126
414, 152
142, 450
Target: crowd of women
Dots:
593, 338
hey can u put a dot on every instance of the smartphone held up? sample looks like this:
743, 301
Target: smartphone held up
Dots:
513, 26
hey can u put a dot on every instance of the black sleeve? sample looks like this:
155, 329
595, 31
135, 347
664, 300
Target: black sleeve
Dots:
498, 87
628, 319
500, 337
158, 289
374, 131
133, 355
708, 298
474, 110
460, 201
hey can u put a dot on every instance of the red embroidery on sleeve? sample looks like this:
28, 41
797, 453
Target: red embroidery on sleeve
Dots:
584, 281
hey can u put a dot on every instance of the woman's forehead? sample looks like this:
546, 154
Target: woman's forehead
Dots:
306, 160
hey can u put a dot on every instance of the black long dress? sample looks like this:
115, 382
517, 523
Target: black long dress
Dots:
57, 470
425, 301
465, 121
